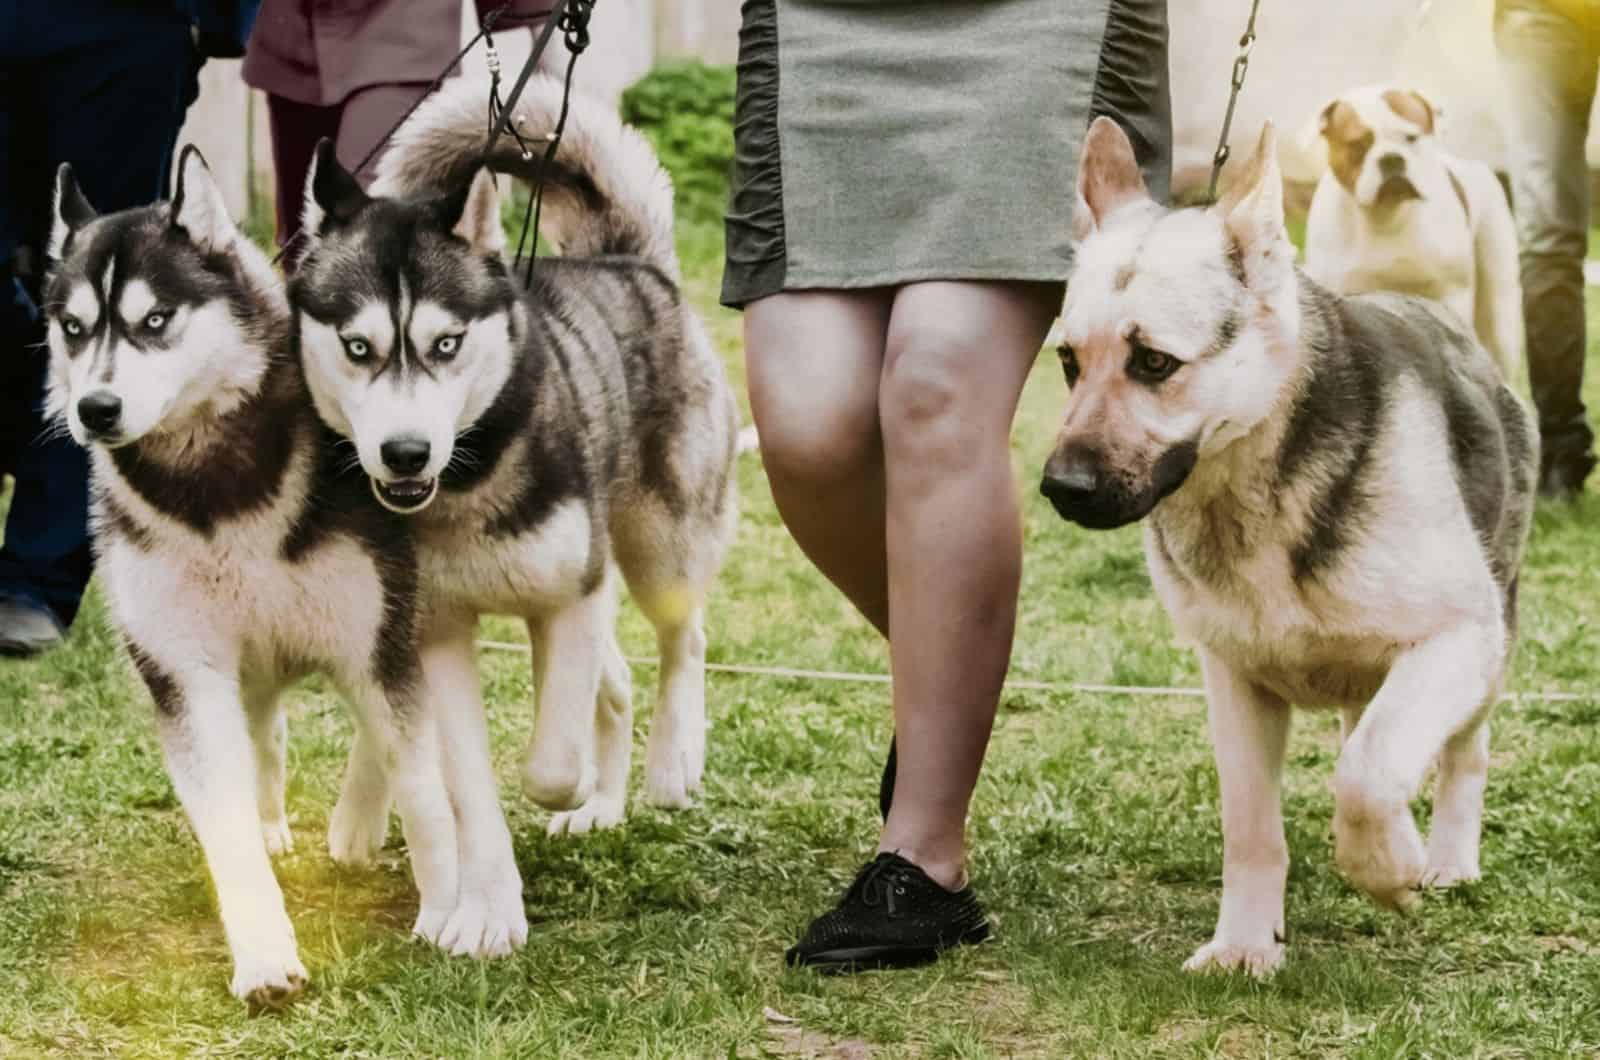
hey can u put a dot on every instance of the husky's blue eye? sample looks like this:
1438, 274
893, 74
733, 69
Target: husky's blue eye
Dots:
357, 349
155, 321
71, 326
446, 347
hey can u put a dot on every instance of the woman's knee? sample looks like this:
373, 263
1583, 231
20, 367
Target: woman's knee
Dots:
813, 388
815, 437
932, 405
957, 357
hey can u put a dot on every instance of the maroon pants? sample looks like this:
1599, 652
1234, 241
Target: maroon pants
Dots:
354, 126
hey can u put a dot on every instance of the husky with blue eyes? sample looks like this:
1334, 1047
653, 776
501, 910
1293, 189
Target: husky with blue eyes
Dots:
536, 436
238, 550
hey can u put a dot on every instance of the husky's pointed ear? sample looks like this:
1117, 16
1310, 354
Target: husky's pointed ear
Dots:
1108, 176
198, 208
473, 214
333, 196
1252, 207
72, 211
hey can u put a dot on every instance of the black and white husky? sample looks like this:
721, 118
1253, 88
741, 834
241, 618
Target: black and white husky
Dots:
537, 437
234, 554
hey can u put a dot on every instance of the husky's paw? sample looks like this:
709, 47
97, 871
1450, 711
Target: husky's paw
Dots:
1256, 960
667, 786
1444, 872
430, 924
484, 927
278, 838
1380, 851
672, 772
356, 833
596, 815
268, 976
697, 761
559, 778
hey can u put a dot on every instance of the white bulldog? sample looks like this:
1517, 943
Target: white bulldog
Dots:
1394, 211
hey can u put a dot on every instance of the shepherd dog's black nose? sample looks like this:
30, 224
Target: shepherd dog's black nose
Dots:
1072, 476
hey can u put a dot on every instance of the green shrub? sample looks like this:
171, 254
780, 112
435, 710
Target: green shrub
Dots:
686, 109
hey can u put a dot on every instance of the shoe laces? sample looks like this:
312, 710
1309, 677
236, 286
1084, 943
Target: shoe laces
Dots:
881, 882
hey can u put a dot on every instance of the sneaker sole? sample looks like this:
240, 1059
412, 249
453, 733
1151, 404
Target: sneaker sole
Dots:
872, 958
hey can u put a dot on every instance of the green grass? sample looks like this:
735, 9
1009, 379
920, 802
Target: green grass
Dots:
1095, 836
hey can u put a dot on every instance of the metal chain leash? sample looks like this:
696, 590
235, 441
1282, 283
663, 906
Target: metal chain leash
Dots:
1240, 65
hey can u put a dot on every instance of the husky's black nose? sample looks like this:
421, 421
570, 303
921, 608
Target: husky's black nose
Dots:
405, 455
100, 410
1391, 165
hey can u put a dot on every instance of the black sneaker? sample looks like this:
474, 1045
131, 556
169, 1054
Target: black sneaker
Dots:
893, 916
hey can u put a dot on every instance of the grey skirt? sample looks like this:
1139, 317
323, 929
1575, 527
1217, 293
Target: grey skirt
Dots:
881, 142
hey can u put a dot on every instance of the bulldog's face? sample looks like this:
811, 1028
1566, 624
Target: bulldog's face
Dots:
1381, 146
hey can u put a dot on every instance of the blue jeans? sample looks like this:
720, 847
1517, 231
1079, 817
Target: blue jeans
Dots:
105, 90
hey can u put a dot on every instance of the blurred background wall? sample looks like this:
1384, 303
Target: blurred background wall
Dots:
1308, 51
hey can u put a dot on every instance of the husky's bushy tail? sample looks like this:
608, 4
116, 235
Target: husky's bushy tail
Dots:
605, 190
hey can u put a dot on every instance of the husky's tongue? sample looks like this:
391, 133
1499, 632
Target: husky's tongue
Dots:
407, 496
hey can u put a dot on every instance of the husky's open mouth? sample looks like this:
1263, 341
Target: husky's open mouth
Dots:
406, 496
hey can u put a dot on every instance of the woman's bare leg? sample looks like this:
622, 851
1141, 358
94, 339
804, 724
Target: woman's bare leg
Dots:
957, 357
813, 360
919, 516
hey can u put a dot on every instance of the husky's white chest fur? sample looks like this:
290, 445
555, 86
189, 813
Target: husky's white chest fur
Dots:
232, 592
543, 567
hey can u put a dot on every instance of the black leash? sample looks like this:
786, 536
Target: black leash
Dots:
1240, 65
574, 23
383, 141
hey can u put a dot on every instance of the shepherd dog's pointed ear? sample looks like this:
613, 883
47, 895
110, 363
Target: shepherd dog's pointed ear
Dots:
71, 212
473, 214
1252, 208
198, 208
333, 196
1108, 176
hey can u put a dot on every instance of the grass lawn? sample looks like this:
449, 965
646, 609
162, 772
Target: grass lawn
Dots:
1095, 832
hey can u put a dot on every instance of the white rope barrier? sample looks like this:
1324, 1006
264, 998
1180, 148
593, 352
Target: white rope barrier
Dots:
1018, 684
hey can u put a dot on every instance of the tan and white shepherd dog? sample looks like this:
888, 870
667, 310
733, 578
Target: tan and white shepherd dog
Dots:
1336, 494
